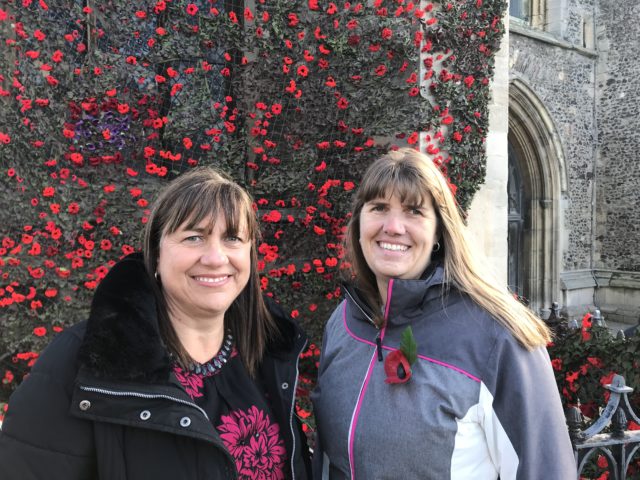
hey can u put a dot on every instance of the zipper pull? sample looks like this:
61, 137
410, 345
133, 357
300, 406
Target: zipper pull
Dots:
379, 346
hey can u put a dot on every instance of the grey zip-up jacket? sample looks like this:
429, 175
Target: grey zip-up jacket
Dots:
478, 405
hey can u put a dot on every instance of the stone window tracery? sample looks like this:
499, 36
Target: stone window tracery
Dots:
529, 12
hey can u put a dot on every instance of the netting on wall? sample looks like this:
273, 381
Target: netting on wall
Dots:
102, 102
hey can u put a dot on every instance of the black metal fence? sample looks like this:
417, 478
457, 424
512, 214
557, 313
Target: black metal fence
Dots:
619, 445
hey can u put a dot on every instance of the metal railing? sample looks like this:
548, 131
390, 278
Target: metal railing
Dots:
619, 445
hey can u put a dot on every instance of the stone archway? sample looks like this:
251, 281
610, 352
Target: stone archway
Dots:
536, 150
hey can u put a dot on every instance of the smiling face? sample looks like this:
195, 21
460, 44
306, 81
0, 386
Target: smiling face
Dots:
203, 268
397, 238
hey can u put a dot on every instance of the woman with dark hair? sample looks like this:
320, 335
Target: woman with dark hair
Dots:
441, 373
181, 371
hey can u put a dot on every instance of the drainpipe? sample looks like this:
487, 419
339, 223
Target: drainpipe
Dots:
596, 150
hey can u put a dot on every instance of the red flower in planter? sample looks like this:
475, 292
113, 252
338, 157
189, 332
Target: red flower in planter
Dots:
586, 326
397, 365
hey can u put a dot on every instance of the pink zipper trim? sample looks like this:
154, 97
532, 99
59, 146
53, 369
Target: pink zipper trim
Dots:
421, 357
356, 413
386, 307
448, 365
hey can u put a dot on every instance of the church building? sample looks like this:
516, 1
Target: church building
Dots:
564, 145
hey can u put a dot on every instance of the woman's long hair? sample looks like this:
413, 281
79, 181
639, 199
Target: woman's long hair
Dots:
413, 177
202, 194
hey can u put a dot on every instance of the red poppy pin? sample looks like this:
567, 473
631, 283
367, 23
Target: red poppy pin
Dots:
398, 363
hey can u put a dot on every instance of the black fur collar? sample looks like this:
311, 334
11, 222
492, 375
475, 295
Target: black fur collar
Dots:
122, 339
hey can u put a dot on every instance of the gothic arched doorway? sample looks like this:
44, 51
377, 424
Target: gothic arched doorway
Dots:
537, 184
516, 214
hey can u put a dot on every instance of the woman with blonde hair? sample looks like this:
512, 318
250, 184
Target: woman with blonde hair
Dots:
441, 372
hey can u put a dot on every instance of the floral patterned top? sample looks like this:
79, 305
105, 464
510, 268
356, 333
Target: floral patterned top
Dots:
239, 410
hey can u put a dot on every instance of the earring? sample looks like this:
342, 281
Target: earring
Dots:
436, 248
157, 277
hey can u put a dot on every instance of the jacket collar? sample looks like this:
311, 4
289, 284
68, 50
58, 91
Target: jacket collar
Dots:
290, 339
122, 339
407, 298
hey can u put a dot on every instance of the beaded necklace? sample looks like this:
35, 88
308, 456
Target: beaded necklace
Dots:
216, 362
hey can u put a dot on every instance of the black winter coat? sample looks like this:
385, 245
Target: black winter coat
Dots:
101, 402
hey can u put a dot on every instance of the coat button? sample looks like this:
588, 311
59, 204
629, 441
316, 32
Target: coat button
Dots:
185, 421
285, 385
85, 405
145, 415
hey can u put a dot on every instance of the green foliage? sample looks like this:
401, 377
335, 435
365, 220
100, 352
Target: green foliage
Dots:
409, 346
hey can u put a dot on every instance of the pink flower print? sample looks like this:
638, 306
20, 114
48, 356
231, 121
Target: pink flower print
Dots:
191, 382
263, 457
255, 444
258, 419
235, 433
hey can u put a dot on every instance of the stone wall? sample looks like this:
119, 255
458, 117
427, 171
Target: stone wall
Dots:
579, 21
618, 155
583, 66
489, 207
562, 76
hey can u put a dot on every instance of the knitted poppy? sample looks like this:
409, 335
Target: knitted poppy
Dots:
397, 367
